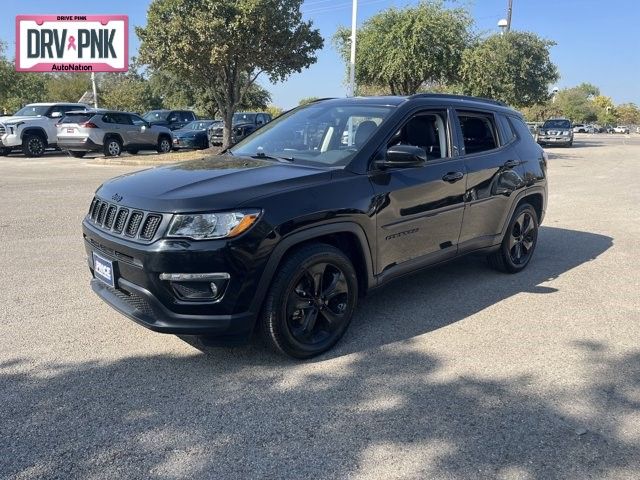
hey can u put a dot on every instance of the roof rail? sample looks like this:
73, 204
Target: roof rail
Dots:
459, 97
321, 99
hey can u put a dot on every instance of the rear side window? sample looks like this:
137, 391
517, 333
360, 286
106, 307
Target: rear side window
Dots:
508, 133
520, 127
188, 116
479, 132
77, 117
122, 118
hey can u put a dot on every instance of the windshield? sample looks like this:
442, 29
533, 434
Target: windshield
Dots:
156, 115
329, 135
244, 118
557, 124
33, 111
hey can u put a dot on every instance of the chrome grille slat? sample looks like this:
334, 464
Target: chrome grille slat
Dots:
118, 220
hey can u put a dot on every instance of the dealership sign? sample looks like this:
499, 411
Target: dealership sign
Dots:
72, 43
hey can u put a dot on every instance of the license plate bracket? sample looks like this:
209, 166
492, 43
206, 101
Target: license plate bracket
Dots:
103, 270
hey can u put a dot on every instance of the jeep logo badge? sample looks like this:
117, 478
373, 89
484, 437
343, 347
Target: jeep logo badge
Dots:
77, 43
116, 197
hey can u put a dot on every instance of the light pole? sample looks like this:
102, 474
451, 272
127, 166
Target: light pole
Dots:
95, 90
509, 10
352, 64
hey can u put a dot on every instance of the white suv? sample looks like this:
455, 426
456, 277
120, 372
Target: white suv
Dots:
33, 128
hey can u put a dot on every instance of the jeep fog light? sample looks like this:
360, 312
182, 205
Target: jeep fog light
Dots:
197, 286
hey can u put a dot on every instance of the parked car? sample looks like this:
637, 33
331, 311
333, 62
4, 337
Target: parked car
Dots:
33, 128
621, 129
172, 119
193, 134
580, 128
244, 123
110, 132
556, 131
287, 230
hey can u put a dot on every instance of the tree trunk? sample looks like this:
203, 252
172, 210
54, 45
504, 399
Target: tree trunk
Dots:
228, 126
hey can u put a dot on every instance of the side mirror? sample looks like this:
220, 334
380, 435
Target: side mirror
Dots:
403, 156
56, 115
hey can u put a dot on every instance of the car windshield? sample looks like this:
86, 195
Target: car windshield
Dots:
156, 115
33, 111
198, 125
557, 124
319, 134
243, 118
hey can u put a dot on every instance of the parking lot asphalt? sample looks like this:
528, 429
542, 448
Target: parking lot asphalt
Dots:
455, 372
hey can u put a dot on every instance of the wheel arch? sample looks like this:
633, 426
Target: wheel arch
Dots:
39, 131
348, 237
109, 135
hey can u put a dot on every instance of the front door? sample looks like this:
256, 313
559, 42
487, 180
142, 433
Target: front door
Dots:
420, 209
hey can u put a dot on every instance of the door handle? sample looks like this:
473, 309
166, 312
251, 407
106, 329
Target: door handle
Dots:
511, 164
453, 177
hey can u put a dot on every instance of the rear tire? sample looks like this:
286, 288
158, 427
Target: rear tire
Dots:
112, 147
77, 154
164, 144
310, 302
33, 146
519, 243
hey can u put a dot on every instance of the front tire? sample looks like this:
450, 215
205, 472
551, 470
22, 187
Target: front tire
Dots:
112, 147
4, 151
33, 146
310, 302
164, 145
519, 243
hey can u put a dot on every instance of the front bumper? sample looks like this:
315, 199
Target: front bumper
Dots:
10, 140
185, 143
140, 295
554, 140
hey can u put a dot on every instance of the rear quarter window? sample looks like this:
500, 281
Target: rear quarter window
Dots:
520, 127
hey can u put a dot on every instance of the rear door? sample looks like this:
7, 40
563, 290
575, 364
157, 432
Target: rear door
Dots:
488, 148
145, 135
420, 209
128, 131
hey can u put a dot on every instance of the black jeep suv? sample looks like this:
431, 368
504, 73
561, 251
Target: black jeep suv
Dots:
286, 230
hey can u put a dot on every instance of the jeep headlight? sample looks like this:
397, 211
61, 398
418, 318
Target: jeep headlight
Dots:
206, 226
566, 132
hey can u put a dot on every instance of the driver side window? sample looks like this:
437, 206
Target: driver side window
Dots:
427, 130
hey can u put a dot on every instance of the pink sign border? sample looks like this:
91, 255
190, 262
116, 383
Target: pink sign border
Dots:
96, 67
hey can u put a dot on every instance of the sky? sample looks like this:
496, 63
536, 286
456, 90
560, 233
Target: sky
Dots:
597, 42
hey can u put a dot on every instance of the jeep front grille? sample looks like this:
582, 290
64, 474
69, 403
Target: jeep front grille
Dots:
117, 220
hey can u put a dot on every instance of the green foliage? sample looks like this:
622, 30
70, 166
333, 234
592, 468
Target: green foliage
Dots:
400, 51
576, 104
605, 110
274, 110
628, 114
67, 87
127, 92
307, 100
515, 68
224, 45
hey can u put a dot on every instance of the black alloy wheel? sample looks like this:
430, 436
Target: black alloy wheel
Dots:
310, 302
33, 146
519, 242
522, 238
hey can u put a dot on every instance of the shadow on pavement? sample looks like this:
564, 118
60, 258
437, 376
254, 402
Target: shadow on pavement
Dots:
374, 414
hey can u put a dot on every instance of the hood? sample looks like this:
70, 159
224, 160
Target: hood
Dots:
9, 120
215, 183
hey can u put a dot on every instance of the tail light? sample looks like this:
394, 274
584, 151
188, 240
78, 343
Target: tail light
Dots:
89, 125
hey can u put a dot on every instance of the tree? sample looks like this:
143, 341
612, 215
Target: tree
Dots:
605, 110
515, 68
223, 46
274, 111
129, 91
307, 100
67, 87
576, 104
628, 114
400, 51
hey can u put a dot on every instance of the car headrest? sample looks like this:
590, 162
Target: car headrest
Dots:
364, 131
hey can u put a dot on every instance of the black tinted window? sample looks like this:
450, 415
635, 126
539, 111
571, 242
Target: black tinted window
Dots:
557, 124
520, 127
478, 132
427, 130
77, 117
507, 130
122, 118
